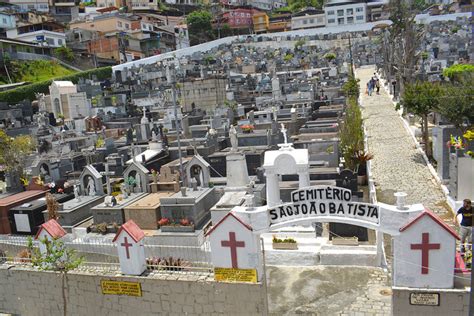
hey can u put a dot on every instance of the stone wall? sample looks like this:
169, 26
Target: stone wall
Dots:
452, 302
29, 292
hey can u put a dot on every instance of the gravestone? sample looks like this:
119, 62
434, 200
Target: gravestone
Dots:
138, 174
91, 182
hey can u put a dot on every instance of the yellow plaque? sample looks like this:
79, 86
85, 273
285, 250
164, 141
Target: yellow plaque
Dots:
235, 275
121, 288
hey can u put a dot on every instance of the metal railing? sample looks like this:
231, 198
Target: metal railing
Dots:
100, 254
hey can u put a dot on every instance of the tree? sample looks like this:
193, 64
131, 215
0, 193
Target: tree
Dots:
422, 98
52, 206
457, 104
65, 53
351, 88
13, 151
56, 258
459, 72
352, 134
199, 27
401, 42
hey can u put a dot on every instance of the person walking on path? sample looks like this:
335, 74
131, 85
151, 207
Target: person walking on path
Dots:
377, 85
465, 230
370, 86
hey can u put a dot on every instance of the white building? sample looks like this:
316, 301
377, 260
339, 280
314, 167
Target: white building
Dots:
29, 5
44, 37
307, 19
268, 5
345, 12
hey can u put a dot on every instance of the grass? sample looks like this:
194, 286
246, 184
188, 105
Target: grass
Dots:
35, 71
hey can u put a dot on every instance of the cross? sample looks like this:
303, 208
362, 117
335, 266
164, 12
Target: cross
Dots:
232, 243
126, 245
107, 173
425, 247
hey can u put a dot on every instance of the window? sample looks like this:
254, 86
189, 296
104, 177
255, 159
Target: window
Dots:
360, 9
237, 21
350, 11
311, 21
50, 41
350, 20
340, 21
331, 21
340, 12
119, 24
4, 20
331, 12
305, 22
60, 42
127, 26
359, 17
248, 15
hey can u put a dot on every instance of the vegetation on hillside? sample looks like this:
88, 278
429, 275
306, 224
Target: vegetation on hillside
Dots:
200, 27
297, 5
28, 92
33, 71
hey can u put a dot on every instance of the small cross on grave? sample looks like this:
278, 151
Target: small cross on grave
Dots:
107, 174
425, 247
127, 245
233, 244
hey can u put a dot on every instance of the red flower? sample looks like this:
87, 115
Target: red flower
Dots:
164, 221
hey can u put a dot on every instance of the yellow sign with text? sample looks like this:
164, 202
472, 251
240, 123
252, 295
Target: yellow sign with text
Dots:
121, 288
235, 275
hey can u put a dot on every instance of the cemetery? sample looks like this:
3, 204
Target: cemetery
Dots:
208, 173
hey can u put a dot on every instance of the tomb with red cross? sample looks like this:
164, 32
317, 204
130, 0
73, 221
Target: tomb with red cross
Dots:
131, 252
424, 253
234, 245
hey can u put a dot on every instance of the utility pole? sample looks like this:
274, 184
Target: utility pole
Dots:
178, 127
350, 55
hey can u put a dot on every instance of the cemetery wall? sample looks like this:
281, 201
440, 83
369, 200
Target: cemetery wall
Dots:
29, 292
453, 302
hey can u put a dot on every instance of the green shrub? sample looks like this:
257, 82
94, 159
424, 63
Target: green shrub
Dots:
28, 92
459, 72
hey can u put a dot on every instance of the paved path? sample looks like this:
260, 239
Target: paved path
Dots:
397, 164
328, 291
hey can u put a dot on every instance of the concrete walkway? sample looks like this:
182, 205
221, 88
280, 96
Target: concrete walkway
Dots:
397, 165
328, 291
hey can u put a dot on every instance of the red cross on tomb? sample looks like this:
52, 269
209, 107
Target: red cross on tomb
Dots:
127, 245
232, 243
425, 247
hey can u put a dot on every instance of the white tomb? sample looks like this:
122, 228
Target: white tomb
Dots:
50, 230
424, 253
286, 160
130, 248
234, 245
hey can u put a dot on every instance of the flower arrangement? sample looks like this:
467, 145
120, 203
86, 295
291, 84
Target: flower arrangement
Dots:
170, 263
276, 240
24, 181
247, 128
164, 221
169, 222
361, 156
456, 142
130, 181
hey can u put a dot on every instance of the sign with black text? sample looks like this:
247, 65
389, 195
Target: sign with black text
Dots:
323, 201
427, 299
